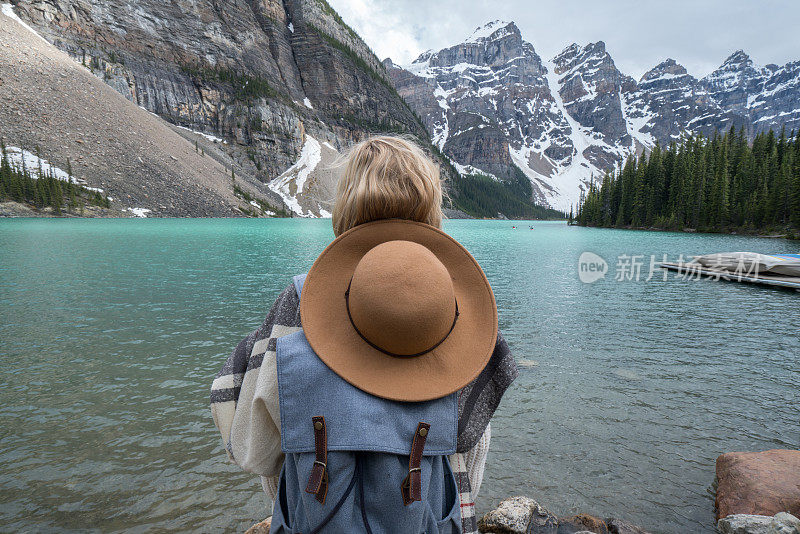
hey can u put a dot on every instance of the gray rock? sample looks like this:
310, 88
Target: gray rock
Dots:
619, 526
744, 524
542, 521
782, 523
785, 523
580, 523
500, 101
519, 515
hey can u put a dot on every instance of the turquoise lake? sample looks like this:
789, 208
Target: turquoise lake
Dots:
111, 332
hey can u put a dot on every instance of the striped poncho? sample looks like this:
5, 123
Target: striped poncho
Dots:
244, 404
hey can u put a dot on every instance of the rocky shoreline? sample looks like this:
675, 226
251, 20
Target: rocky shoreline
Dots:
787, 233
757, 493
18, 209
523, 515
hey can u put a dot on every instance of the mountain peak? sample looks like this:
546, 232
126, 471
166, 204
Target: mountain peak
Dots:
492, 31
738, 59
568, 53
599, 46
668, 67
425, 56
591, 50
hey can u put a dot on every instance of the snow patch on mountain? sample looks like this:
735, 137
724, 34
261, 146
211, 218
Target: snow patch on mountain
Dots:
495, 29
21, 159
467, 170
568, 180
212, 138
636, 120
140, 212
290, 184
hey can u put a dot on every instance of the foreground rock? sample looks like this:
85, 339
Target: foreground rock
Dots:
781, 523
758, 483
516, 514
260, 528
523, 515
582, 523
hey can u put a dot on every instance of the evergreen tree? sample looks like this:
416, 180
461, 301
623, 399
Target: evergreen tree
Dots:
717, 184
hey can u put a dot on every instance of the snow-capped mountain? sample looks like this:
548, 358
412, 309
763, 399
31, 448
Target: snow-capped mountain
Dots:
769, 97
494, 107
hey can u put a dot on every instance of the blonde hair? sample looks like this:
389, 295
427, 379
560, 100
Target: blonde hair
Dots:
385, 178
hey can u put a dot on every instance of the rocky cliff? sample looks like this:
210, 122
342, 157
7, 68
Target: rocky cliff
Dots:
494, 107
273, 78
53, 107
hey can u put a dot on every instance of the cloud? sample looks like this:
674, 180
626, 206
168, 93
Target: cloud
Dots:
638, 34
383, 27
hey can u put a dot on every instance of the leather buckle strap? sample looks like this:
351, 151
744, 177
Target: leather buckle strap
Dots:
411, 488
318, 481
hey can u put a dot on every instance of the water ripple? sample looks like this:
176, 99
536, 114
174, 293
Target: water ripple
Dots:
113, 330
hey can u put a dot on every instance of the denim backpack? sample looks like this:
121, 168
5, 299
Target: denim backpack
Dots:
355, 462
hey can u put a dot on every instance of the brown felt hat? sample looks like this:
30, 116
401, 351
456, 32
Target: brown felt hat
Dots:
401, 310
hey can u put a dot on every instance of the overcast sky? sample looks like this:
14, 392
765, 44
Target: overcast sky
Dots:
699, 34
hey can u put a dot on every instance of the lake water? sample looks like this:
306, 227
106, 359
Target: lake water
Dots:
112, 330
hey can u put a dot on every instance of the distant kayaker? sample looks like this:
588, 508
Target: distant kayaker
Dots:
381, 379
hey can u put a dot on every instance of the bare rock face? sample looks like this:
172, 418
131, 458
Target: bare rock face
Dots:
263, 75
53, 105
670, 100
758, 483
734, 80
590, 86
487, 105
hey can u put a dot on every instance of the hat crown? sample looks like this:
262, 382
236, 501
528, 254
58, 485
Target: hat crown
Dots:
401, 298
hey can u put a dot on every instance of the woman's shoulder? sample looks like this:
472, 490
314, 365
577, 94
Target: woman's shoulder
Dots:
286, 309
479, 399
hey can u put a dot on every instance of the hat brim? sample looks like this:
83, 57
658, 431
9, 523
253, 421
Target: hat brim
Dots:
449, 367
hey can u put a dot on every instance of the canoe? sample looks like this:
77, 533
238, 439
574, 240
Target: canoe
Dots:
752, 263
695, 269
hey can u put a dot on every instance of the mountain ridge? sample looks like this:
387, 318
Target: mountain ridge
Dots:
280, 87
271, 78
491, 104
103, 138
